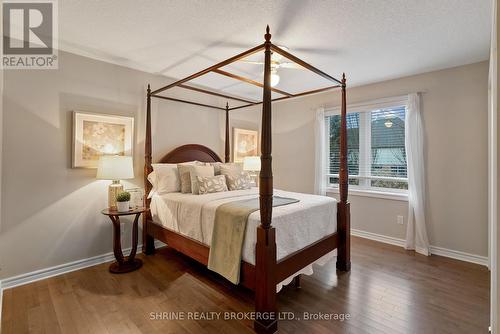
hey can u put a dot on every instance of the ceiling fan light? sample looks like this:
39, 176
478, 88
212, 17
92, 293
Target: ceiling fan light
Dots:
275, 79
388, 123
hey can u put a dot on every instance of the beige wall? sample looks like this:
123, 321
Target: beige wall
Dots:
455, 119
51, 212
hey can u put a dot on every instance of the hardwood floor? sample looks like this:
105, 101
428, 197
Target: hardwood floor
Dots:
387, 291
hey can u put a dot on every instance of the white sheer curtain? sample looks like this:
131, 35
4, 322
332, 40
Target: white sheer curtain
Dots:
416, 233
320, 148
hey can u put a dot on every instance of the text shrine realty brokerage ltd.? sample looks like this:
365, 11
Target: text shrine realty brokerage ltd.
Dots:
315, 316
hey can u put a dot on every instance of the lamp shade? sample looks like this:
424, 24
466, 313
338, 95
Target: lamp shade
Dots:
115, 167
251, 163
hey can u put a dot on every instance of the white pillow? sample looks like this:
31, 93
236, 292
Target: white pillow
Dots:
201, 171
152, 180
165, 178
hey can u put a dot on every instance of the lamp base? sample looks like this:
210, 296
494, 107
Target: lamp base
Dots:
255, 177
114, 189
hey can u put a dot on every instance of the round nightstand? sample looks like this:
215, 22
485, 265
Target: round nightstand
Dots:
130, 263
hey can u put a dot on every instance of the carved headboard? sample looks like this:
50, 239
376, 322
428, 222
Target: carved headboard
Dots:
190, 152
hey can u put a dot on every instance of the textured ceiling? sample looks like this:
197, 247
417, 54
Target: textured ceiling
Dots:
369, 40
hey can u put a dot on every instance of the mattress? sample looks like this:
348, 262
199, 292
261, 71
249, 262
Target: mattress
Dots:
297, 225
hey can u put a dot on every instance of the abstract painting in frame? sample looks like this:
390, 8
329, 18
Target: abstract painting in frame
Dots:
95, 135
245, 144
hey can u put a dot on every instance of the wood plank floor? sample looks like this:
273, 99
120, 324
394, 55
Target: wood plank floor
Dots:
387, 291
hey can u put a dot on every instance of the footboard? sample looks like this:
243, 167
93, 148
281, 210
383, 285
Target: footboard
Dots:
193, 249
294, 262
285, 268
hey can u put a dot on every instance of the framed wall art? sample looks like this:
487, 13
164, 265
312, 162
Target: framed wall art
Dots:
245, 144
136, 197
95, 135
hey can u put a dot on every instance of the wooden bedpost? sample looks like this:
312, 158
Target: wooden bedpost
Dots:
148, 246
265, 249
227, 153
343, 207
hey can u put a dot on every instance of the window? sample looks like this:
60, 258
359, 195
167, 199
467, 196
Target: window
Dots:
376, 155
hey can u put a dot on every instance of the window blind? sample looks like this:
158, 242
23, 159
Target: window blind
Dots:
375, 148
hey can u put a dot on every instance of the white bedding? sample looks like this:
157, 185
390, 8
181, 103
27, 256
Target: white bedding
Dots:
297, 225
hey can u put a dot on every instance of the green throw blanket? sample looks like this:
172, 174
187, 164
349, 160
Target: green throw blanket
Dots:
229, 233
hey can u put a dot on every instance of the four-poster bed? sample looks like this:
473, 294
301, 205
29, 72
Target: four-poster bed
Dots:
267, 271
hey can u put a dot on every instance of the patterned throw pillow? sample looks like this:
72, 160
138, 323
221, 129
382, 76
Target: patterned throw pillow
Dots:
211, 184
203, 171
216, 166
241, 181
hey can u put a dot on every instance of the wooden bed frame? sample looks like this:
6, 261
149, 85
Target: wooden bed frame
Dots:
267, 272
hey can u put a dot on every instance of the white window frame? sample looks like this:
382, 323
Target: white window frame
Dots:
364, 188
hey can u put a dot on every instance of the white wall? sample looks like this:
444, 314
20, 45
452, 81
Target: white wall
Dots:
51, 212
455, 119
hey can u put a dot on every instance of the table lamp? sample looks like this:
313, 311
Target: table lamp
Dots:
252, 164
115, 168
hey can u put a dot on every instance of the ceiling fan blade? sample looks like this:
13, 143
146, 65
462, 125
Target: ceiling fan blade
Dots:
319, 51
223, 44
291, 13
291, 65
251, 62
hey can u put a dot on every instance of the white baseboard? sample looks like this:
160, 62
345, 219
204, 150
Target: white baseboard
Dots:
37, 275
378, 237
458, 255
440, 251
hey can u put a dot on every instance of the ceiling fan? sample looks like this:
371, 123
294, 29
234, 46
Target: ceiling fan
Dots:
277, 61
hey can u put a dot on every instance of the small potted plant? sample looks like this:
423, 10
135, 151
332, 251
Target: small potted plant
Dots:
123, 201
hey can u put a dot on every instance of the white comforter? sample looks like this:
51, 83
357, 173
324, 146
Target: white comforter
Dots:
297, 225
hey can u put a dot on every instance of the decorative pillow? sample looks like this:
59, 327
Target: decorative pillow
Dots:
216, 166
232, 169
196, 171
165, 178
211, 184
239, 182
185, 175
